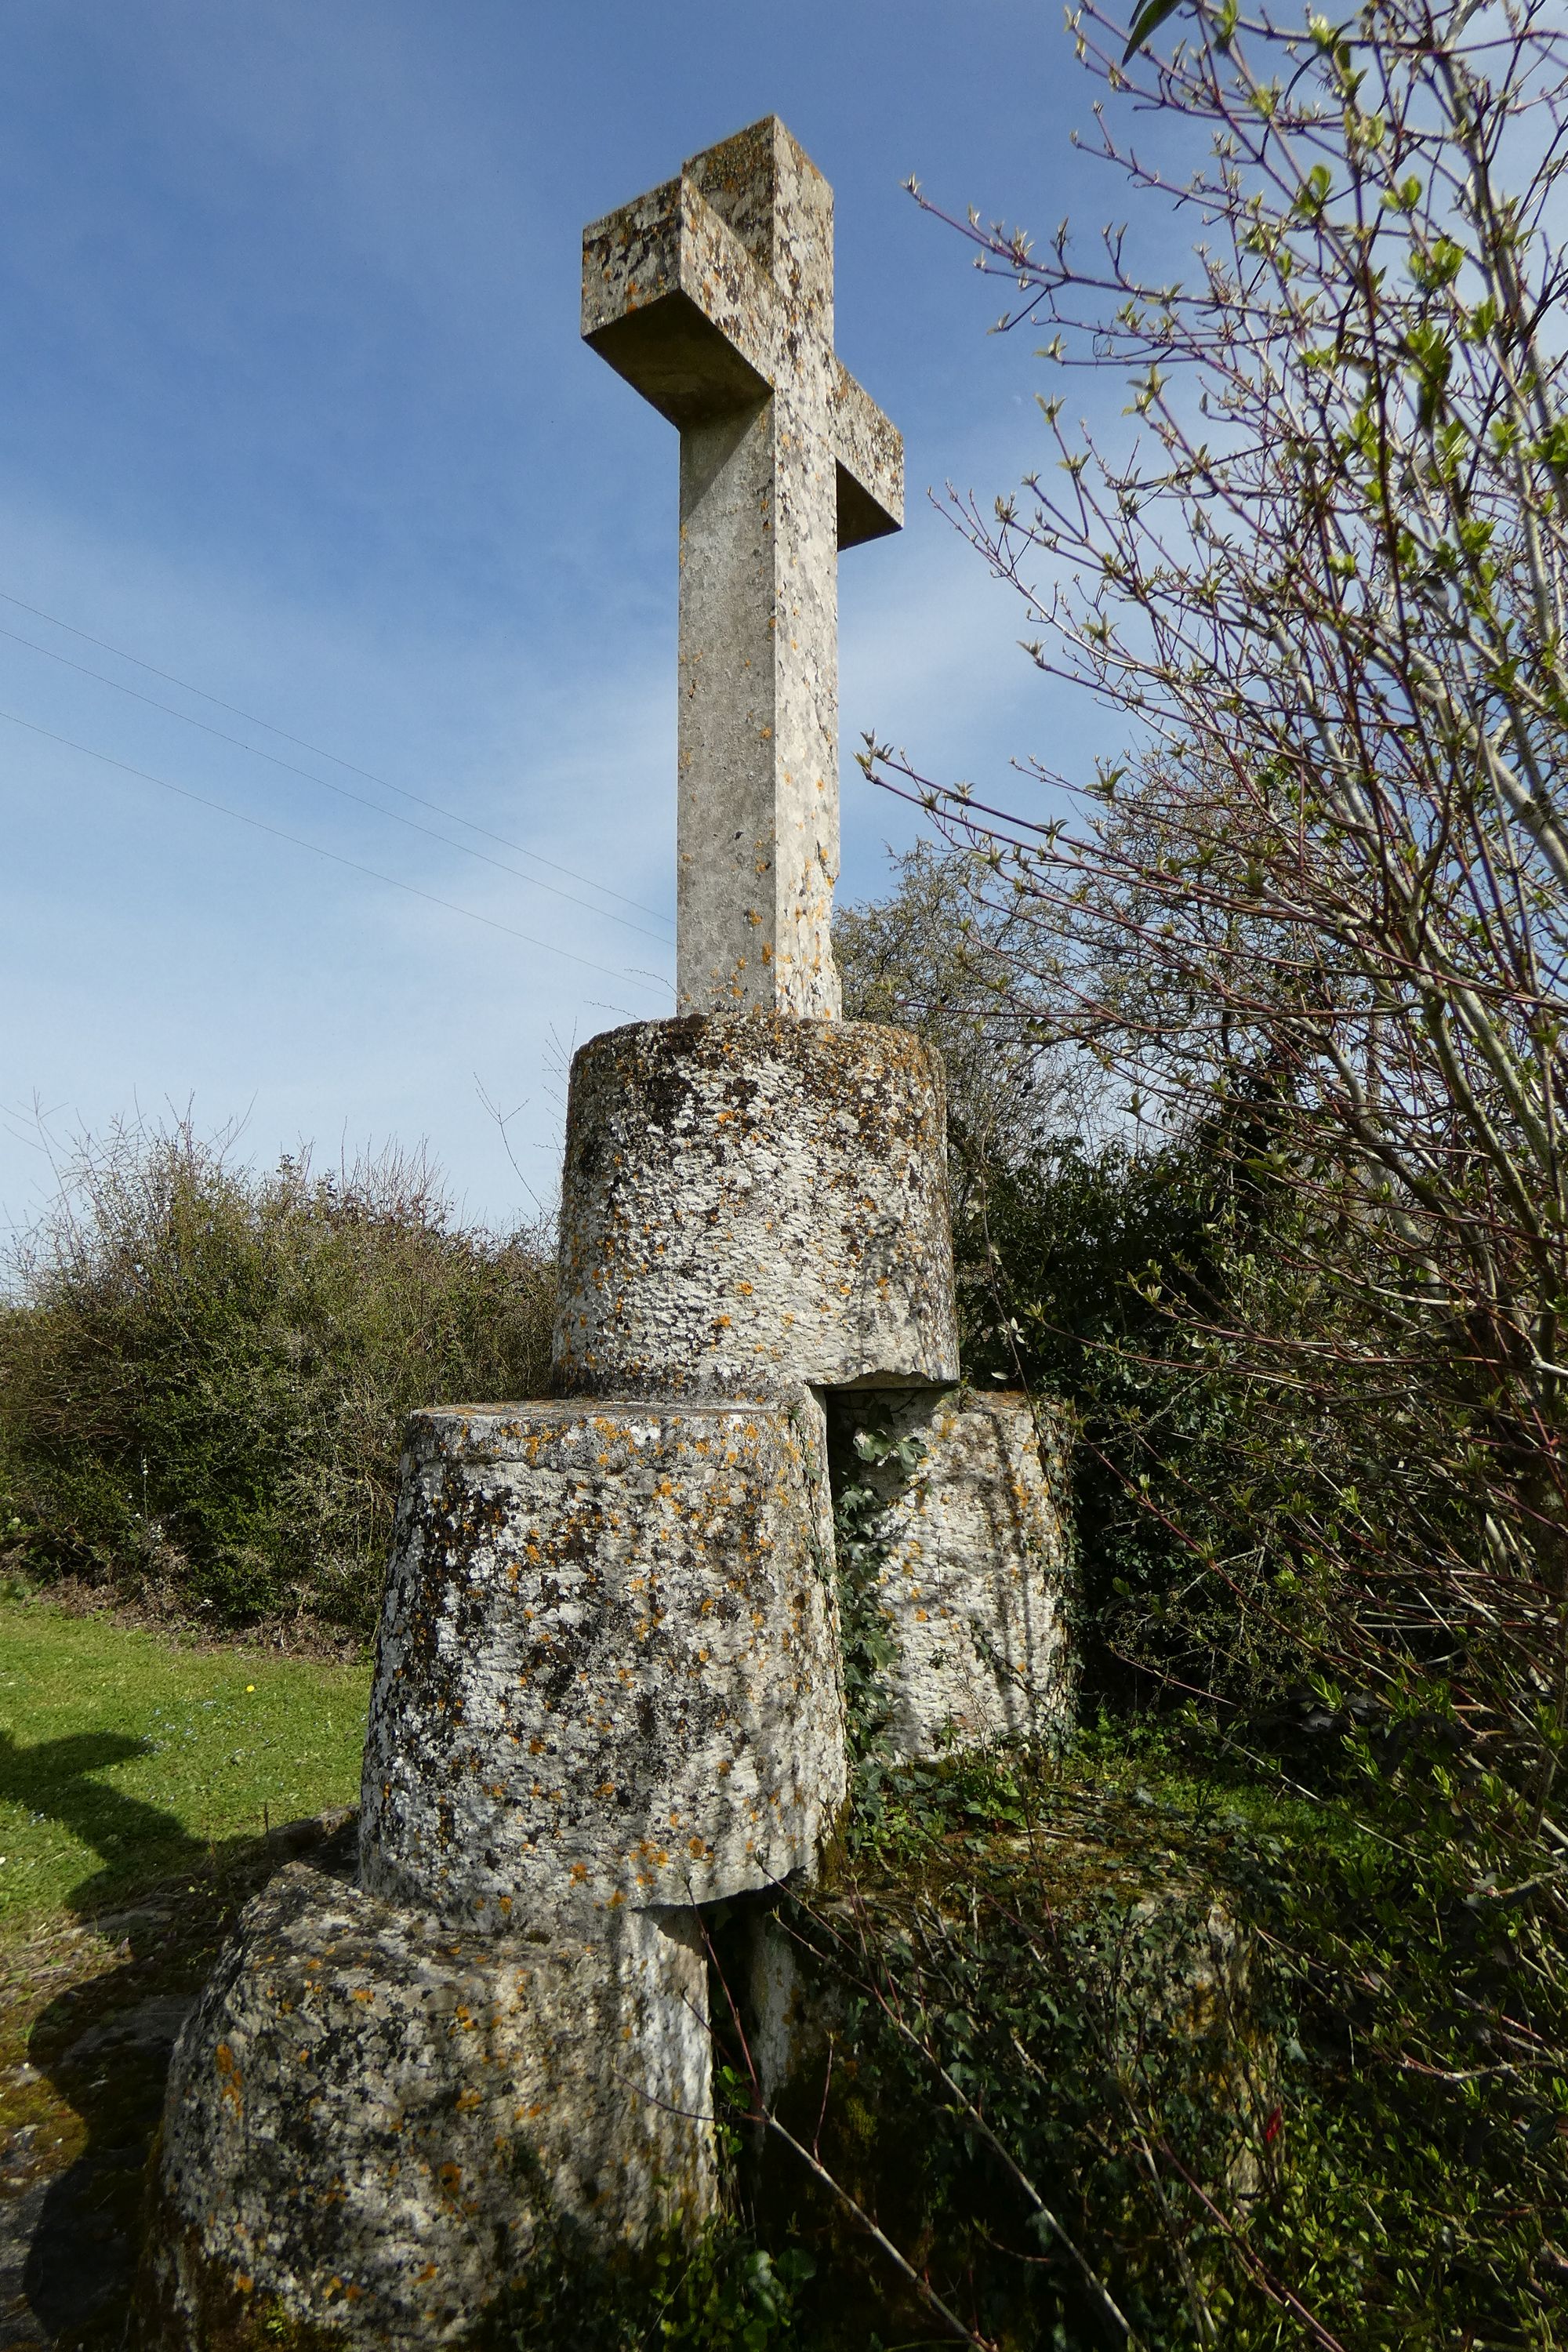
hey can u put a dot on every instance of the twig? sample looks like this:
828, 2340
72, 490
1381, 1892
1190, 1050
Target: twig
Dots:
922, 2287
1275, 2289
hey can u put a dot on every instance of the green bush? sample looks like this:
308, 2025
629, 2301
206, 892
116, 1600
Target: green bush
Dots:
720, 2291
1107, 1280
204, 1370
1262, 1481
1270, 2072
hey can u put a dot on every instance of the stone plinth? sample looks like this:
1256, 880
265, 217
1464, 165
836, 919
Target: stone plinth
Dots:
749, 1201
974, 1561
608, 1669
370, 2119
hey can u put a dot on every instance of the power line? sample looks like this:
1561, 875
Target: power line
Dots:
258, 824
342, 790
301, 744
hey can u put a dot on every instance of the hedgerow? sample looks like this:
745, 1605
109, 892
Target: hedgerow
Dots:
205, 1368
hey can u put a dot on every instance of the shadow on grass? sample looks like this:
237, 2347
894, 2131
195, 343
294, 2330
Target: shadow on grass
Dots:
104, 2042
133, 1840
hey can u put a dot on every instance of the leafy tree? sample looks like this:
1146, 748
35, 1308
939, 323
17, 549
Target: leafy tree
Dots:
1311, 927
1324, 589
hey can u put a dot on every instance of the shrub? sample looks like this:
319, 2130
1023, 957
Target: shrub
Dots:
205, 1368
1135, 2032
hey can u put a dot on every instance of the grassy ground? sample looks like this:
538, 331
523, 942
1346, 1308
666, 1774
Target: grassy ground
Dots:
145, 1793
124, 1758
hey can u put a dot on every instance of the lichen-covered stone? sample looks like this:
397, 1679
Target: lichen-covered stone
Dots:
749, 1201
975, 1555
608, 1686
713, 295
369, 2117
608, 1669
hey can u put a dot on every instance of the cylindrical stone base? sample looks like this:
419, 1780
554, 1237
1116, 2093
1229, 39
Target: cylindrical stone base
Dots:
608, 1669
371, 2120
749, 1201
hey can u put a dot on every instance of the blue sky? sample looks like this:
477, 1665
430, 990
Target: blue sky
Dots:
295, 411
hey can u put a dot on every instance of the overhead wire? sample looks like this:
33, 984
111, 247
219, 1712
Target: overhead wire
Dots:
318, 750
326, 784
260, 825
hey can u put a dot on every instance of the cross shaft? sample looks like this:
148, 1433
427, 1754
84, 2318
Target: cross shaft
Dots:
713, 295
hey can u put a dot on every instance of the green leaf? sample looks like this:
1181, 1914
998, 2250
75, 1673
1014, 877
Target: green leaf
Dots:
1148, 20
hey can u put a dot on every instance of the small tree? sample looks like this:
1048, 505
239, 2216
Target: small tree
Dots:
936, 957
1328, 886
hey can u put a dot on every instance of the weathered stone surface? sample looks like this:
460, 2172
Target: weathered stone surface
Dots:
369, 2118
608, 1669
751, 1201
609, 1686
713, 295
974, 1563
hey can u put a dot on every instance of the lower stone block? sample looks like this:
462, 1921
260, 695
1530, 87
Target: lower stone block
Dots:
370, 2119
608, 1671
973, 1545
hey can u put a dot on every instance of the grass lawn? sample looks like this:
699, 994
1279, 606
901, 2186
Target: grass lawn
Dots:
125, 1759
137, 1781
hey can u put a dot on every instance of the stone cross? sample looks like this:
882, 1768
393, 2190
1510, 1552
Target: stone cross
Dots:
713, 296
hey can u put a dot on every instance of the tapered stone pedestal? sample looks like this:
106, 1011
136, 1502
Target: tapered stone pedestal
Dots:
974, 1560
607, 1689
608, 1669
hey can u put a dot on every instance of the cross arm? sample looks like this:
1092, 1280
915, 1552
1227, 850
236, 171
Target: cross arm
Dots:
869, 449
676, 304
